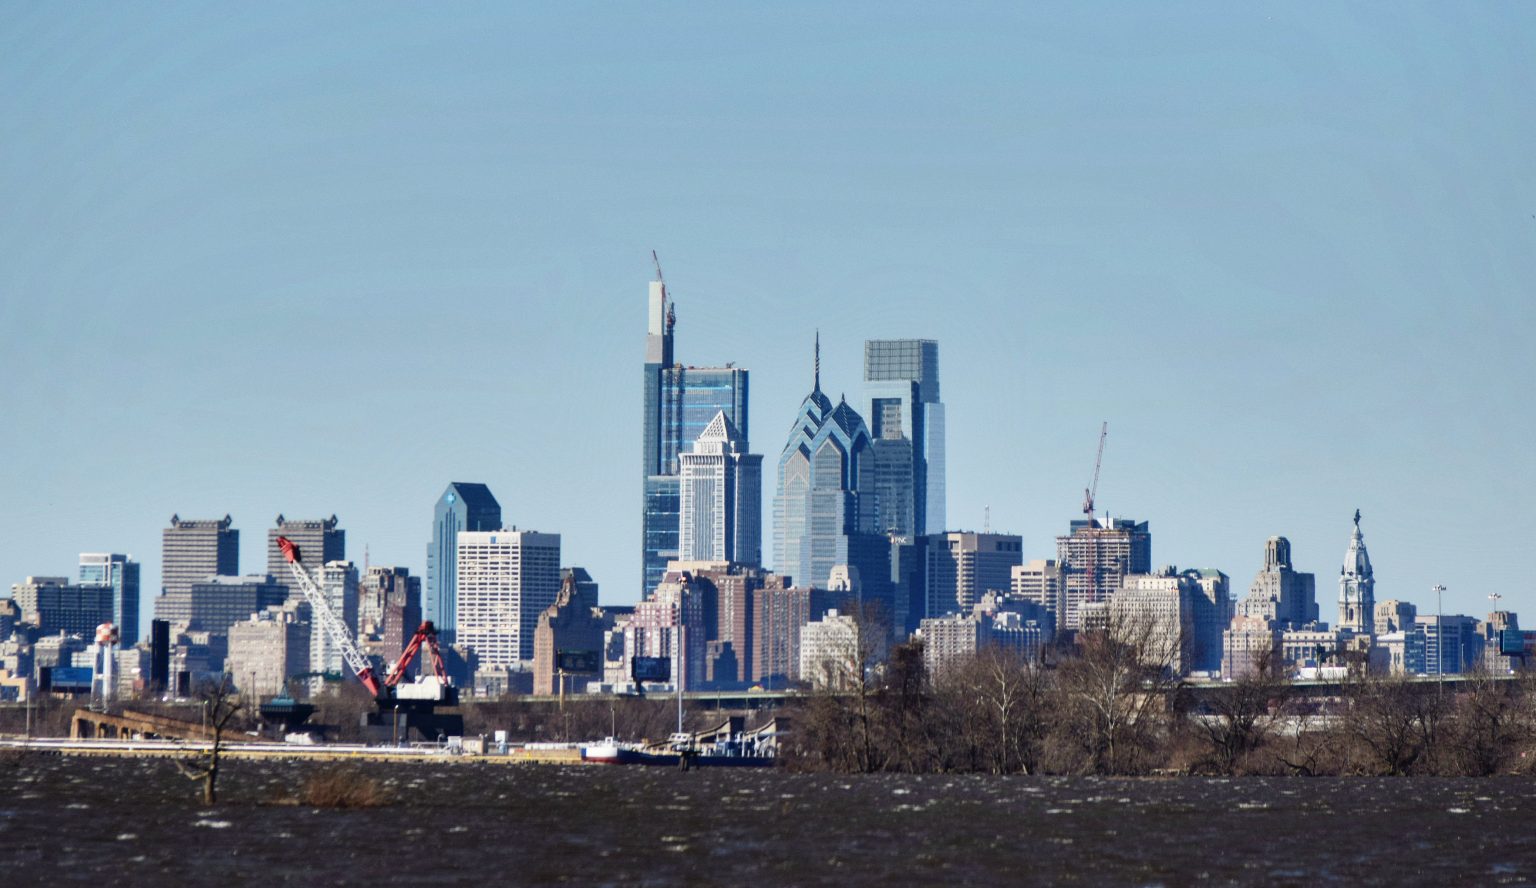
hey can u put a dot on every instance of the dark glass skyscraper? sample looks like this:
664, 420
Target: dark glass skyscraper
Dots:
906, 425
463, 506
680, 402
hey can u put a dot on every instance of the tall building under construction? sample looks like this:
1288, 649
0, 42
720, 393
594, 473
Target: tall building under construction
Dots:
1096, 556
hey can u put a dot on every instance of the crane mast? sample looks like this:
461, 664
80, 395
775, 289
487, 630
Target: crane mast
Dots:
1092, 489
334, 627
1092, 528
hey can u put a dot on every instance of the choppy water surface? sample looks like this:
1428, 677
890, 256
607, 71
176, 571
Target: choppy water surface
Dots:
137, 822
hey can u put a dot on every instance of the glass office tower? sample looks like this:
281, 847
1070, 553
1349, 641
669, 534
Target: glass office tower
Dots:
121, 573
906, 423
463, 506
680, 402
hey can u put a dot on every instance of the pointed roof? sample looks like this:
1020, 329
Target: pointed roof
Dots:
721, 429
1357, 562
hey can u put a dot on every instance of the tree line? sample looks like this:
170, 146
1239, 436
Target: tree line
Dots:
1109, 707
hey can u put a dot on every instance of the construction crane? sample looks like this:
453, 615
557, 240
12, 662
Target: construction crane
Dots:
387, 691
1090, 491
334, 627
662, 280
1091, 527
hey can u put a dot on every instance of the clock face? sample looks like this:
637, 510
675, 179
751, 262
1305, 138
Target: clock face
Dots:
448, 499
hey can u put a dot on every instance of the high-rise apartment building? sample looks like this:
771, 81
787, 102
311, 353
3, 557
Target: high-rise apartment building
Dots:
963, 566
1040, 581
778, 613
121, 574
1357, 586
680, 403
320, 542
463, 506
721, 488
823, 515
193, 551
1095, 557
906, 426
506, 578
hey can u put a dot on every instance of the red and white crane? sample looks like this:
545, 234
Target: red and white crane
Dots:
336, 628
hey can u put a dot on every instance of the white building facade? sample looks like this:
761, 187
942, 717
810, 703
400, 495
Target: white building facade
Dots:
505, 579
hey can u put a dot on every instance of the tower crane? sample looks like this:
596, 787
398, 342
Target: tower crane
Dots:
384, 692
1091, 527
1090, 491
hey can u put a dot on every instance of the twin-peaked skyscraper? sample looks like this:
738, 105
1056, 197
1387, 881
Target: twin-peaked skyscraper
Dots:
844, 486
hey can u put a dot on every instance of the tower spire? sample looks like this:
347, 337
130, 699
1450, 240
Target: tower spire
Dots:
816, 379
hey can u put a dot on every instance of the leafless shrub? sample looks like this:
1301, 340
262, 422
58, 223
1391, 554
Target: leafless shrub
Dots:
343, 788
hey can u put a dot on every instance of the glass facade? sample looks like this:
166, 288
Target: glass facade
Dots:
906, 418
680, 403
822, 519
121, 574
463, 506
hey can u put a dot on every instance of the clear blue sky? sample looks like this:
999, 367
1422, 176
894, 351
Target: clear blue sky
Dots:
309, 259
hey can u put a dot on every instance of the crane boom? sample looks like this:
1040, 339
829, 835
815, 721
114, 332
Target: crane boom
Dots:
657, 263
334, 627
1093, 489
425, 633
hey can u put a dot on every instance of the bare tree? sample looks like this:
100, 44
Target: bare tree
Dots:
1240, 716
1116, 693
843, 720
1488, 723
221, 706
1006, 703
1392, 724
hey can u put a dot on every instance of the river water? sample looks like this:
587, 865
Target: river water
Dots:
116, 821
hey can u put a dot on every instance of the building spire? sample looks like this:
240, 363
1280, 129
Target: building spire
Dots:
816, 379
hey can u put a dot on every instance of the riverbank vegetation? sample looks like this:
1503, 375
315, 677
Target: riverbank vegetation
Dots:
1102, 709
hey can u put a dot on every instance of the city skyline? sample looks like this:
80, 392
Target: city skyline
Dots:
1291, 296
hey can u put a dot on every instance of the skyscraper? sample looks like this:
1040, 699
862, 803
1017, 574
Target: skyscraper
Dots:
906, 424
121, 573
819, 512
193, 551
1095, 557
1357, 586
506, 578
1280, 600
463, 506
721, 497
339, 583
320, 542
964, 566
1279, 593
680, 403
